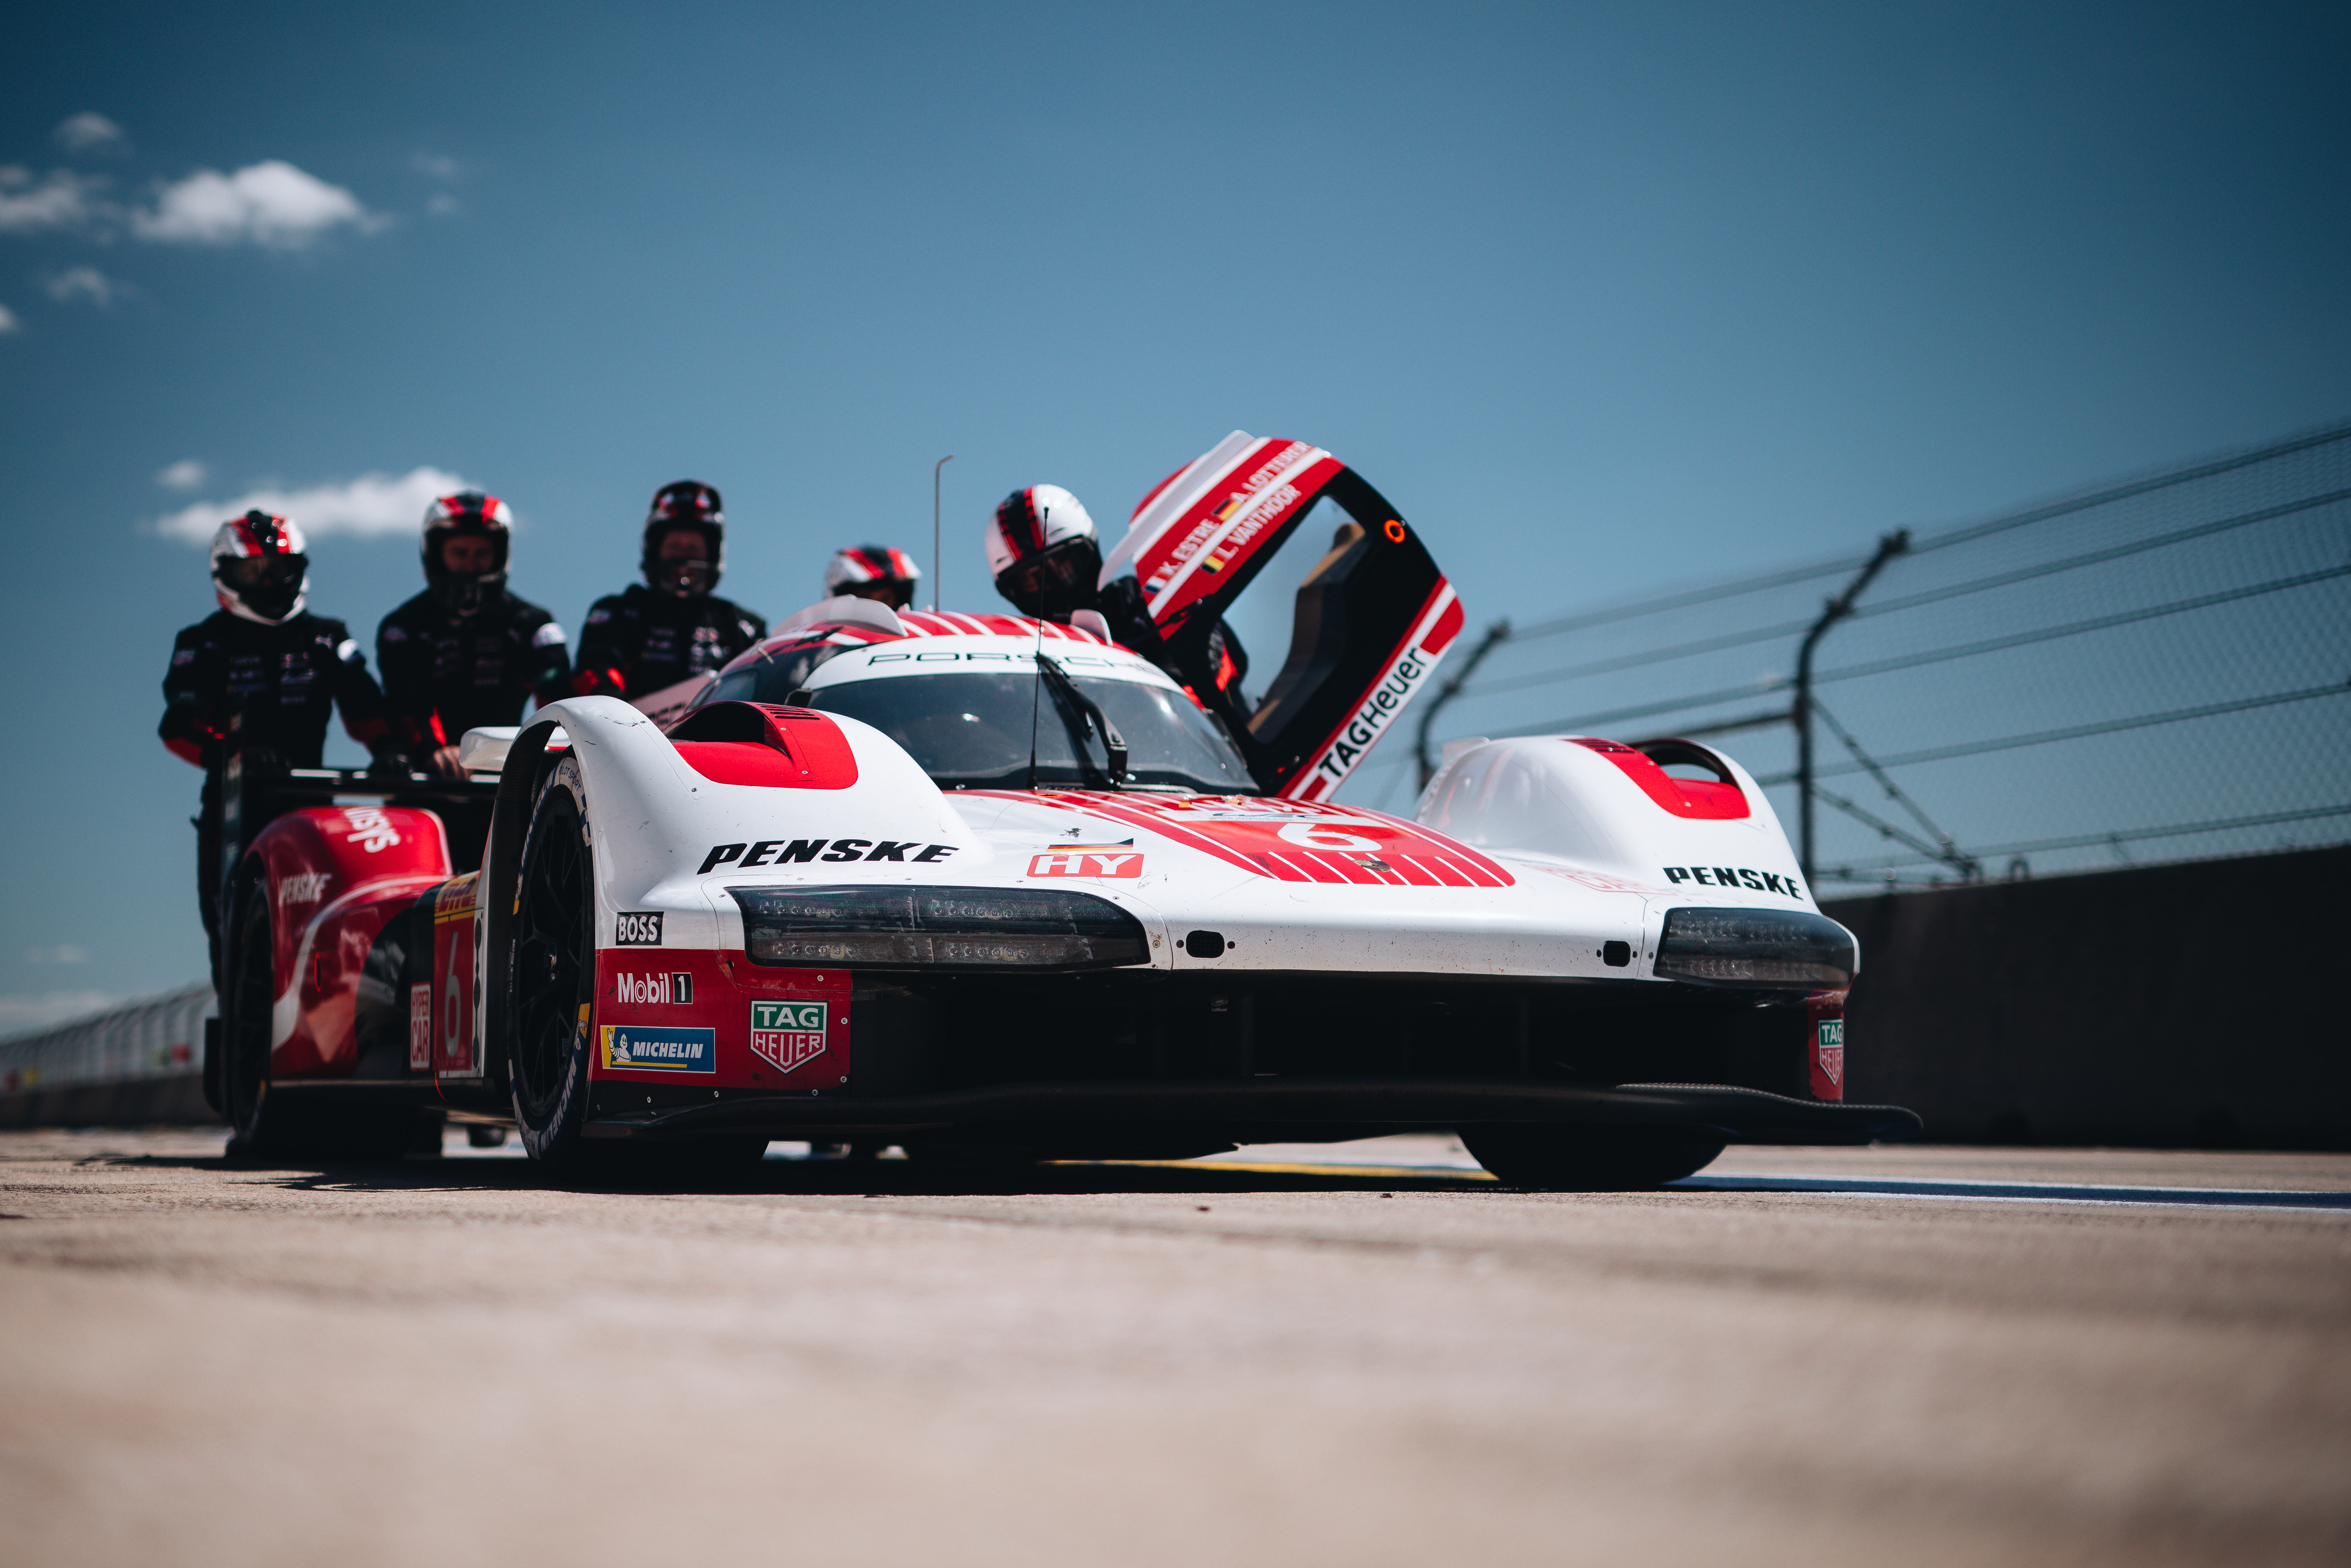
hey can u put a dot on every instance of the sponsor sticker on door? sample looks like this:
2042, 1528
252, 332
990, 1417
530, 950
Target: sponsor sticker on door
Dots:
639, 1048
789, 1035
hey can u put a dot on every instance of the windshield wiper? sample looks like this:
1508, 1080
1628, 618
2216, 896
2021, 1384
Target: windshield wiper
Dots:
1113, 743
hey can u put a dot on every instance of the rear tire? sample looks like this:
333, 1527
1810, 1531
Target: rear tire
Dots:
551, 971
274, 1126
1584, 1158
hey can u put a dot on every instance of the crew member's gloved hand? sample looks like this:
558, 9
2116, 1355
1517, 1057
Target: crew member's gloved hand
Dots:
388, 765
261, 762
444, 763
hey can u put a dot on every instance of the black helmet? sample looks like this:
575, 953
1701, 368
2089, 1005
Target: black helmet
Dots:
466, 512
688, 504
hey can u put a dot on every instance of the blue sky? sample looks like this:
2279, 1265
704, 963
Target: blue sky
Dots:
1604, 299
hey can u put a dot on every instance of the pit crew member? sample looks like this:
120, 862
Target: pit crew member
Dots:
1046, 557
466, 652
672, 626
256, 677
878, 572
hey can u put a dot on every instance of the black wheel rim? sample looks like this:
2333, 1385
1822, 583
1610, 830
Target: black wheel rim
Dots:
550, 935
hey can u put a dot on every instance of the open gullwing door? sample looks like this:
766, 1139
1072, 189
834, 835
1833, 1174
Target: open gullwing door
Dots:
1367, 612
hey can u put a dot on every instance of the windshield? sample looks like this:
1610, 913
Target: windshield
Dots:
972, 730
772, 677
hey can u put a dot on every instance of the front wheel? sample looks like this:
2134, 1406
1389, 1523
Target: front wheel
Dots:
551, 970
1582, 1157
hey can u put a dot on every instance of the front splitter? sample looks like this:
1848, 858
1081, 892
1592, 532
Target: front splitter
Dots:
1744, 1115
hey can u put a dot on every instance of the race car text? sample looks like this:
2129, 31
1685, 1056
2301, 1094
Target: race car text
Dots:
779, 851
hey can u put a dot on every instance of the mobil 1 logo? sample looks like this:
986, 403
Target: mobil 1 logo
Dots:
637, 928
789, 1035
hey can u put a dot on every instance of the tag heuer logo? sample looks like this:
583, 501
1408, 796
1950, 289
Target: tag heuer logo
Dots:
787, 1035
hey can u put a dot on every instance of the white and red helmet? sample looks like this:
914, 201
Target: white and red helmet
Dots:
466, 512
873, 571
261, 570
1044, 552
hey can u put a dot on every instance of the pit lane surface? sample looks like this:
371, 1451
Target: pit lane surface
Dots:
1368, 1355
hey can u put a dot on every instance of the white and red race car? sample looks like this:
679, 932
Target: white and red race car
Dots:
989, 888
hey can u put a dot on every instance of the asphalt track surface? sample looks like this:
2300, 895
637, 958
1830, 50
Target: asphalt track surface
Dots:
1362, 1356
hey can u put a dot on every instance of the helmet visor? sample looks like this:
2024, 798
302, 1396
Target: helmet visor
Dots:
247, 573
1057, 570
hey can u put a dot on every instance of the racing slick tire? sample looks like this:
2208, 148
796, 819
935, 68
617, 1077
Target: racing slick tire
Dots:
264, 1126
551, 971
1583, 1157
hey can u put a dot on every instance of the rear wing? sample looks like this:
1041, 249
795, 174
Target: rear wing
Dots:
1372, 618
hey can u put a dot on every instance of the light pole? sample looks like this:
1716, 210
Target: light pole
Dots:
935, 566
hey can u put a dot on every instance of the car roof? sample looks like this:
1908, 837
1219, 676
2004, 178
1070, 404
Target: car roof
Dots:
958, 641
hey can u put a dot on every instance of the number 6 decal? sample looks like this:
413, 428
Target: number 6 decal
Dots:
1322, 836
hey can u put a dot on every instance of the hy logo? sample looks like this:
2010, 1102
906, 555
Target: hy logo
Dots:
1087, 862
789, 1035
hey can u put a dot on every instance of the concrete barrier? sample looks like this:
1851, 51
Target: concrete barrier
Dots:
2194, 1005
139, 1064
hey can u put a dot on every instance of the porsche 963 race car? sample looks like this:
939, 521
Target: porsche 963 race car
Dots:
989, 888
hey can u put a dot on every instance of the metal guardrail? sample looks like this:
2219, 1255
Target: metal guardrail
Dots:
159, 1038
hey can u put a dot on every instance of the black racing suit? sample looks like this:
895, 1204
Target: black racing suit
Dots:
638, 642
444, 674
1211, 669
270, 686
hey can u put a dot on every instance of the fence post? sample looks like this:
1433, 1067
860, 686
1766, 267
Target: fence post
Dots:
1498, 632
1835, 610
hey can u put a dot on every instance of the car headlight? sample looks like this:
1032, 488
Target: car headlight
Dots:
945, 928
1783, 949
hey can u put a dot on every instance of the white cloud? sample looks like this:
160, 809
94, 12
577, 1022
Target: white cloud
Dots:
442, 204
269, 204
64, 200
184, 475
27, 1014
433, 164
7, 320
371, 503
87, 283
89, 132
63, 952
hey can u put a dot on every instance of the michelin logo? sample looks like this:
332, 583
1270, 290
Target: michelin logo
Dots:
634, 1048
